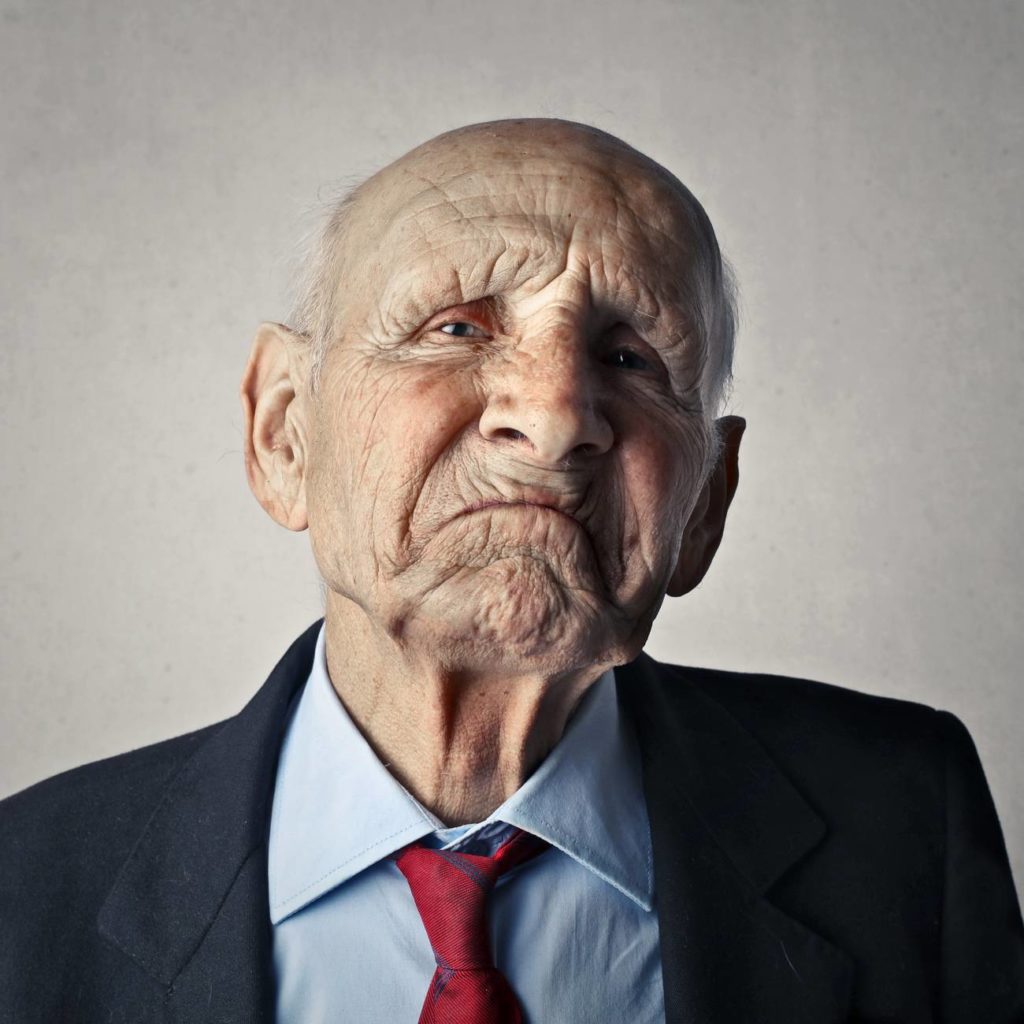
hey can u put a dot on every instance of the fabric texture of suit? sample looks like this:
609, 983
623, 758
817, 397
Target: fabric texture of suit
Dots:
820, 856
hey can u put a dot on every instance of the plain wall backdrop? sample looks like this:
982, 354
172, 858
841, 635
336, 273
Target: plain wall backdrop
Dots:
861, 162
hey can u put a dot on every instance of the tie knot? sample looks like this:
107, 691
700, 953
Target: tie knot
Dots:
450, 890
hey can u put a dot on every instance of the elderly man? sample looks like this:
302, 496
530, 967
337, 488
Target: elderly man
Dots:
465, 794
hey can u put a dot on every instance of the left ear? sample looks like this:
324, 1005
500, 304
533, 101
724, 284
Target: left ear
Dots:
703, 531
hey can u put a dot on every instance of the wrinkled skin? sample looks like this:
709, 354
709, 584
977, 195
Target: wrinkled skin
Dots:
508, 462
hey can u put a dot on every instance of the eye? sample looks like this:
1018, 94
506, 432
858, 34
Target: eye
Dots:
461, 329
627, 359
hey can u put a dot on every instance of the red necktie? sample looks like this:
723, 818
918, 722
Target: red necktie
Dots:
450, 889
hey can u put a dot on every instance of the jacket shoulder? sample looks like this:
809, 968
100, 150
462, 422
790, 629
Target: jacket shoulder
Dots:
63, 840
876, 762
782, 709
107, 780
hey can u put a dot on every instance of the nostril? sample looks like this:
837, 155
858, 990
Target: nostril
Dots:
510, 433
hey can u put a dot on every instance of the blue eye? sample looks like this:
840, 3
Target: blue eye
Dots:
627, 359
460, 329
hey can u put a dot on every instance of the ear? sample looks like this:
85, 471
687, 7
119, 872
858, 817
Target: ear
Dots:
703, 531
272, 392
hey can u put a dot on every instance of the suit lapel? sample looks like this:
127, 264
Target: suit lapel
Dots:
725, 824
190, 904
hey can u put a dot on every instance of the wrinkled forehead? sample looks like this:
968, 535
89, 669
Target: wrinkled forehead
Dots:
466, 220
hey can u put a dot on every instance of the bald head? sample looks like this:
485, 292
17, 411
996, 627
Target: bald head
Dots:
437, 193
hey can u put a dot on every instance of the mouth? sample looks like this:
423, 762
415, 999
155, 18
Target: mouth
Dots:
565, 537
482, 505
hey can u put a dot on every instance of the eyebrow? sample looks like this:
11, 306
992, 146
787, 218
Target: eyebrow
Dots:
424, 286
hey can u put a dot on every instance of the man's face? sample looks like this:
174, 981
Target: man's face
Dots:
509, 436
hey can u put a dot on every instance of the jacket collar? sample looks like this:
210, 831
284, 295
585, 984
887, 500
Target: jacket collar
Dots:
190, 905
725, 825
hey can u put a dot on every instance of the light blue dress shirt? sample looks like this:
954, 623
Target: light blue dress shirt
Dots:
574, 930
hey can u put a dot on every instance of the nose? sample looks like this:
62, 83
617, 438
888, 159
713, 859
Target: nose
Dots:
545, 398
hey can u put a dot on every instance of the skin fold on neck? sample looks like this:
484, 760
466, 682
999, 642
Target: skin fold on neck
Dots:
460, 742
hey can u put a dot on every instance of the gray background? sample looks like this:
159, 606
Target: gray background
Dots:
862, 163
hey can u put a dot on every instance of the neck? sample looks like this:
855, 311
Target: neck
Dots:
460, 738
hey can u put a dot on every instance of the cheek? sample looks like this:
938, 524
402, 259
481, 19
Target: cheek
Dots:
662, 471
393, 425
436, 404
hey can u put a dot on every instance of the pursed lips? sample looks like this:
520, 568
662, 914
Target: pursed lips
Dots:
481, 505
551, 502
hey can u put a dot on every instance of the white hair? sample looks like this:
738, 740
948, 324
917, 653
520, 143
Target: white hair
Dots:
712, 295
314, 309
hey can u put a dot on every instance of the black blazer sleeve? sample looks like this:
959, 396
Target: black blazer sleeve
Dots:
982, 976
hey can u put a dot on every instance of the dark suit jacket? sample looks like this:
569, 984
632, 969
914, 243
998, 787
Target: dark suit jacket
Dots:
819, 855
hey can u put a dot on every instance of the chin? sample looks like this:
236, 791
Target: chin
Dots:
518, 616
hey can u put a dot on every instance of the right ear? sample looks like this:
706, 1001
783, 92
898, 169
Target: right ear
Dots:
275, 423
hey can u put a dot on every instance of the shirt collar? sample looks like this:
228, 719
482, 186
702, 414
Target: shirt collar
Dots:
337, 809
